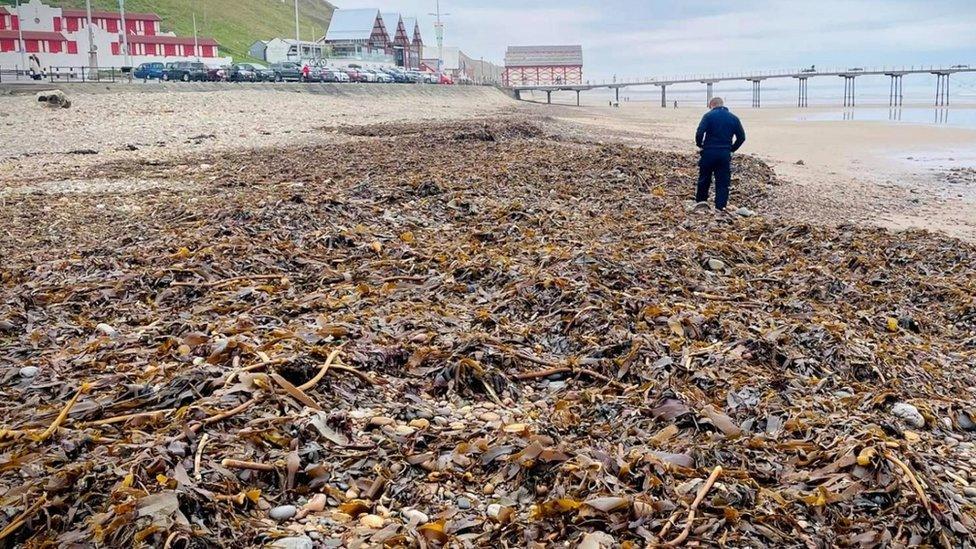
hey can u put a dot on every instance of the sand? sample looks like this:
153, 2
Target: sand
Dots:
897, 177
851, 172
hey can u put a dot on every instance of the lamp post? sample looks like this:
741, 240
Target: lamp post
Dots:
125, 34
298, 35
20, 39
439, 33
92, 49
196, 41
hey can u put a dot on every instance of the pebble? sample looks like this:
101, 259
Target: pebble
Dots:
420, 423
463, 503
283, 512
970, 491
380, 421
440, 420
415, 516
489, 417
489, 489
299, 542
745, 212
28, 371
716, 264
404, 430
372, 521
908, 413
965, 422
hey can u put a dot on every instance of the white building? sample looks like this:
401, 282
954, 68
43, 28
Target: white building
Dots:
279, 50
59, 38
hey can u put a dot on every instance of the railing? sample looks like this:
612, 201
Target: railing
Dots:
87, 74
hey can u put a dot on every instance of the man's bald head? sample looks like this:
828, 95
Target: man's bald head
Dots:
716, 102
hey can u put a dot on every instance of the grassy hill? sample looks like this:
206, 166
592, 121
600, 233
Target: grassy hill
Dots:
236, 24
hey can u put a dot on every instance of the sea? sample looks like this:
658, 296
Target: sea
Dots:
826, 98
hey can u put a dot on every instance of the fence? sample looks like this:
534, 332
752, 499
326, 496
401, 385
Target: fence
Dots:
67, 75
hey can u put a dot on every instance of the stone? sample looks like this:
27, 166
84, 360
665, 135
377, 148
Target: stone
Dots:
107, 330
404, 430
463, 503
283, 512
29, 371
380, 421
298, 542
55, 99
489, 417
698, 206
372, 521
596, 540
715, 264
745, 212
965, 422
420, 423
970, 491
909, 414
415, 517
800, 163
314, 505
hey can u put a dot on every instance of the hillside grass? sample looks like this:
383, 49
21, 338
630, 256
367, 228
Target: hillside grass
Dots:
235, 24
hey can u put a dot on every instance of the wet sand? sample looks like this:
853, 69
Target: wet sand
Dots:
897, 176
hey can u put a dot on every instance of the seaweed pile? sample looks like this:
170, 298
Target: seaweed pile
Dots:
474, 335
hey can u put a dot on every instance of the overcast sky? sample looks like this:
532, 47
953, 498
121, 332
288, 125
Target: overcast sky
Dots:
667, 37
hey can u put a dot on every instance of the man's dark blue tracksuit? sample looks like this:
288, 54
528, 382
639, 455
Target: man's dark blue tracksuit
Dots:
714, 138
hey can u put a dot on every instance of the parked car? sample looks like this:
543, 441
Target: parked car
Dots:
398, 76
286, 72
149, 71
355, 75
383, 77
218, 74
186, 71
311, 73
334, 75
445, 79
243, 72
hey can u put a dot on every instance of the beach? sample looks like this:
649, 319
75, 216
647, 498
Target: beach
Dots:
897, 176
406, 316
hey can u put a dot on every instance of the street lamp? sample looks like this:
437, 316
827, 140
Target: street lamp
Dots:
20, 38
125, 34
92, 49
439, 32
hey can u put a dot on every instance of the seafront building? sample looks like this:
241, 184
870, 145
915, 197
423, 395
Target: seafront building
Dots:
59, 37
543, 65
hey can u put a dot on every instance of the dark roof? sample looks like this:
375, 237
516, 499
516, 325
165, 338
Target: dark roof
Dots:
99, 14
33, 35
185, 40
544, 56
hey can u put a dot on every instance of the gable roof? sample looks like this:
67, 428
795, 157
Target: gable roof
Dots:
352, 24
545, 56
412, 27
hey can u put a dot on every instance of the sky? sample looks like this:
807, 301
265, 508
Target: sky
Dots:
660, 38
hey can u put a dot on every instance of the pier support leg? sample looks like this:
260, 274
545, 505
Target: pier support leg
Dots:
577, 98
618, 96
708, 93
942, 90
801, 95
518, 95
756, 93
848, 91
664, 97
548, 97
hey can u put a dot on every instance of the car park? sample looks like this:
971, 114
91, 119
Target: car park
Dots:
218, 74
243, 72
186, 71
286, 72
149, 71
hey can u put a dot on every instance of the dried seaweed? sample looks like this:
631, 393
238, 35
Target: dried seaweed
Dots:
475, 335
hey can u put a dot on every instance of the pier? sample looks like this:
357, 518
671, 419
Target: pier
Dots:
803, 76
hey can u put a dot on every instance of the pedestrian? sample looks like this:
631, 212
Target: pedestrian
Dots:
35, 67
676, 104
715, 143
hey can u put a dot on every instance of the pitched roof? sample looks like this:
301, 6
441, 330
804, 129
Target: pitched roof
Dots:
413, 28
98, 14
545, 56
157, 39
352, 24
32, 35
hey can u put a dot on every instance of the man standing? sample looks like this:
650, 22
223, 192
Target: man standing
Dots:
714, 139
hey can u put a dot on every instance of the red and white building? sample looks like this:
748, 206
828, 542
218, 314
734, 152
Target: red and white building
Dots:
59, 38
543, 66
